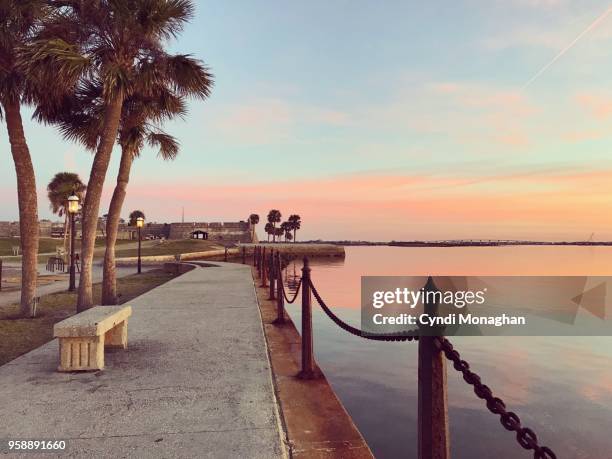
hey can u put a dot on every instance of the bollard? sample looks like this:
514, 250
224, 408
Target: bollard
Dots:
243, 255
433, 434
280, 300
308, 371
264, 274
272, 276
225, 255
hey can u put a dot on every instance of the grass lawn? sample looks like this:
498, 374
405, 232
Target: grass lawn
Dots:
46, 245
170, 248
18, 336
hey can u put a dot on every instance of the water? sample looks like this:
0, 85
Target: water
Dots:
560, 387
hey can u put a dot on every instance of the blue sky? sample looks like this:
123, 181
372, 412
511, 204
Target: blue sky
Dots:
382, 120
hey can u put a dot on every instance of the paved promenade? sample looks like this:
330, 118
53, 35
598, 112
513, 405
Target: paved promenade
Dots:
194, 382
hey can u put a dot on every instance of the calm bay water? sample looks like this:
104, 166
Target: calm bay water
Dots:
559, 386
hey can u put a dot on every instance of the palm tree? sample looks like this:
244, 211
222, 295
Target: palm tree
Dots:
254, 220
143, 111
135, 215
285, 228
288, 236
268, 229
274, 216
116, 46
19, 21
61, 186
296, 222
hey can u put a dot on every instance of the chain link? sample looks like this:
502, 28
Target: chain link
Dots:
509, 419
399, 336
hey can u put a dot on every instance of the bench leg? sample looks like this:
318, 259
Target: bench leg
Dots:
117, 337
81, 354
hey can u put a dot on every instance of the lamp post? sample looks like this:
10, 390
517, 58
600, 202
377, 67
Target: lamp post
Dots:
73, 208
139, 225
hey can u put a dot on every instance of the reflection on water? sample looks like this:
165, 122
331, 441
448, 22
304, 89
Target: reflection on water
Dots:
560, 387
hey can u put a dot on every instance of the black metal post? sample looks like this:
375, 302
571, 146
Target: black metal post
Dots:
433, 432
72, 283
262, 261
308, 371
272, 276
139, 243
280, 300
225, 255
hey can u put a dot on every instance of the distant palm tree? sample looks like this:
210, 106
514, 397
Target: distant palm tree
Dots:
285, 228
108, 44
288, 236
135, 215
61, 186
268, 229
295, 222
274, 217
278, 232
254, 220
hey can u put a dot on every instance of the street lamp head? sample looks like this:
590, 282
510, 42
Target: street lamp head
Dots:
140, 222
73, 203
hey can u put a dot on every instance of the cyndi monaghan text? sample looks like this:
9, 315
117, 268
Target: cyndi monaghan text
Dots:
451, 319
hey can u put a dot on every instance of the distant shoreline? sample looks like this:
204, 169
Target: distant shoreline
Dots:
460, 243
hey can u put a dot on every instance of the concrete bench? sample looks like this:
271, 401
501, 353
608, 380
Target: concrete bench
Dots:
83, 337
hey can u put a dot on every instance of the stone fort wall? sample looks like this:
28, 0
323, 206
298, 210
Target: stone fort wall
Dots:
216, 231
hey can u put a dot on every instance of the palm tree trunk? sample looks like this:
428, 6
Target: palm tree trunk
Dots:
294, 230
28, 207
109, 280
91, 205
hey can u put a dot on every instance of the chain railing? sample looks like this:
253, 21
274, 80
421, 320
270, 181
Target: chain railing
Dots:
433, 409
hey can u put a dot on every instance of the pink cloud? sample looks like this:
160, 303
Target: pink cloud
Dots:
598, 104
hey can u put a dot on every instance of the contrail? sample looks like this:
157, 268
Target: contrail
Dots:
594, 24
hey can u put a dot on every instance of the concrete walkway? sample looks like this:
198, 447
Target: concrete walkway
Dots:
194, 382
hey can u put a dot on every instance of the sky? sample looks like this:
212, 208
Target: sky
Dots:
381, 121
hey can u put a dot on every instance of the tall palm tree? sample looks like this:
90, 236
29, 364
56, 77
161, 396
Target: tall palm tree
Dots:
254, 220
274, 216
61, 186
296, 223
112, 45
142, 112
19, 22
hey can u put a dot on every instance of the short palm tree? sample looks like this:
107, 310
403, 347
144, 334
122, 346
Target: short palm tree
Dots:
61, 186
296, 223
285, 228
274, 217
117, 46
269, 229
